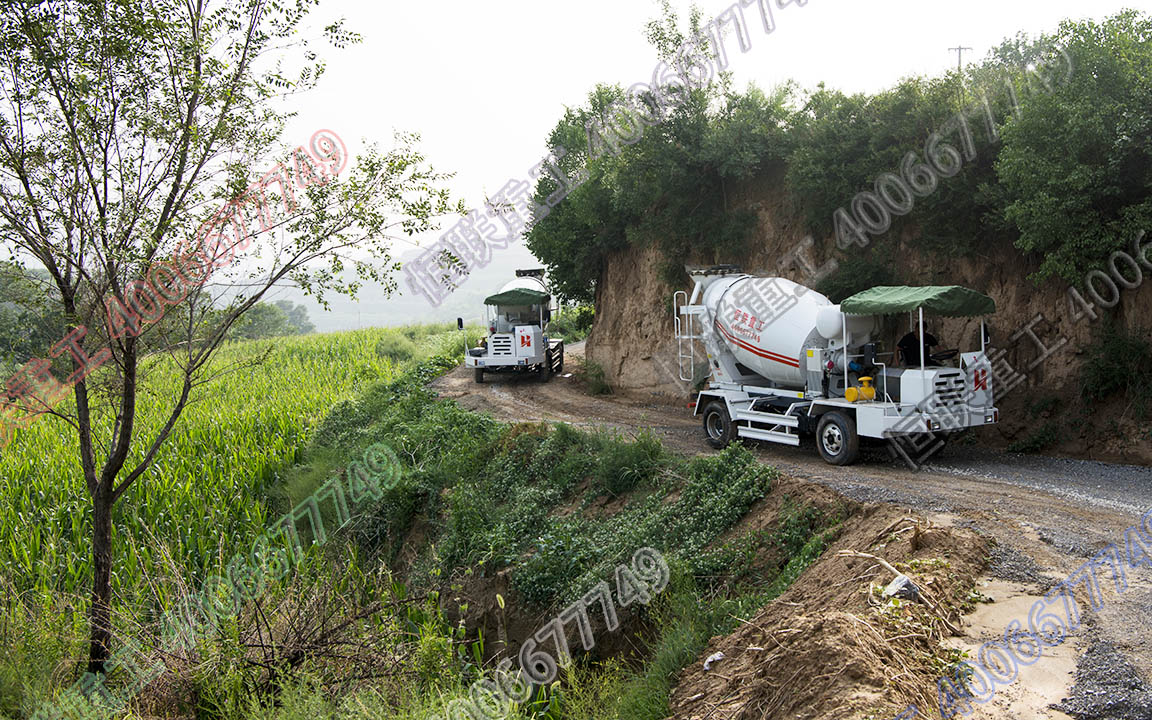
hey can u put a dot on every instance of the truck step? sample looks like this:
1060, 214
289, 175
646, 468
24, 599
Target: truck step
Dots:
770, 435
767, 418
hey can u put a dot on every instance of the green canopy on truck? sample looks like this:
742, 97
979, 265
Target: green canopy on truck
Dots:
518, 296
950, 300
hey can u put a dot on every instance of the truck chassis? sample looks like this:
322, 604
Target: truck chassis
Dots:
499, 356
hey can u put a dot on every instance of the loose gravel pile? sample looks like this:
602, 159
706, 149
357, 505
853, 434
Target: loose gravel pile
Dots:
1069, 542
1008, 563
1107, 687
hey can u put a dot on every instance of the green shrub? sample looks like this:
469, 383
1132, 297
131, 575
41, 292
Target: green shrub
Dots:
469, 511
1045, 436
592, 373
719, 491
853, 277
396, 348
573, 324
624, 465
433, 662
1118, 362
1043, 405
796, 527
562, 555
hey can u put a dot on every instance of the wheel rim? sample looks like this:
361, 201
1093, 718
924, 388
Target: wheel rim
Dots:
833, 439
715, 426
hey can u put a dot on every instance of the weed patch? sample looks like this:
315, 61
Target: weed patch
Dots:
1118, 363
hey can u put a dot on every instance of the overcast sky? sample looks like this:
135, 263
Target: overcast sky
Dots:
485, 82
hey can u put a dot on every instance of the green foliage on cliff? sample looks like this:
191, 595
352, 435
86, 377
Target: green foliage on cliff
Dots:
673, 186
1077, 167
1059, 162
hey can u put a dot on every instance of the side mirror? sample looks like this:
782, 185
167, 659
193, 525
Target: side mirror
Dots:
459, 323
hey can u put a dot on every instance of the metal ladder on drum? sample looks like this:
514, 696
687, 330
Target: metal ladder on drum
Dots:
687, 334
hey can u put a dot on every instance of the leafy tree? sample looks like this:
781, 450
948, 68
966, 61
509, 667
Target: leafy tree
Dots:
124, 126
671, 186
30, 318
263, 320
297, 316
1076, 169
1060, 159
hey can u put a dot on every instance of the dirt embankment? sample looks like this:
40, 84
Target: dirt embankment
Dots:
633, 334
832, 646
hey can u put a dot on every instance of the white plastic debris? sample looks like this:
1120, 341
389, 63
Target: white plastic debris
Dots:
903, 588
713, 658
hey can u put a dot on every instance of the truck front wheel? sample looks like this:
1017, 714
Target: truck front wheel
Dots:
479, 375
717, 425
837, 439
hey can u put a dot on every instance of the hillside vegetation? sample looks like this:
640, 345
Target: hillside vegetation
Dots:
1059, 165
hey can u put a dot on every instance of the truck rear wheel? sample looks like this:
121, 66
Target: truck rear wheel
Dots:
480, 375
837, 439
718, 425
545, 369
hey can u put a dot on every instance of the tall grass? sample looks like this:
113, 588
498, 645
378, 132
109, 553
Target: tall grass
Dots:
204, 495
531, 500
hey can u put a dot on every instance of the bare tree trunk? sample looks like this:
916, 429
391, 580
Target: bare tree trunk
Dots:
100, 615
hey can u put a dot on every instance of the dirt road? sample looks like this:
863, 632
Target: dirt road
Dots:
1049, 516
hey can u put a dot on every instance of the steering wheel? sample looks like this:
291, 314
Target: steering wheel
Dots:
944, 355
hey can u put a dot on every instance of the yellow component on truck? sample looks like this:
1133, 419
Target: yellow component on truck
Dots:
865, 393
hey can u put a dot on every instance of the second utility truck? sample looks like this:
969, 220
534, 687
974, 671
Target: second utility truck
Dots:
517, 317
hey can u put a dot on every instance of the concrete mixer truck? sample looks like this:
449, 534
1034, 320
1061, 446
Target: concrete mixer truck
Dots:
517, 317
784, 361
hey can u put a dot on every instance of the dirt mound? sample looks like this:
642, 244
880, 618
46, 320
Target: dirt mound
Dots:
831, 646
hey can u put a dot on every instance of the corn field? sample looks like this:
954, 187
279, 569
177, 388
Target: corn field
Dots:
205, 493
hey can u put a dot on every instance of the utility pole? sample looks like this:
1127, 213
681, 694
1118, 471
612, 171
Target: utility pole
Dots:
959, 56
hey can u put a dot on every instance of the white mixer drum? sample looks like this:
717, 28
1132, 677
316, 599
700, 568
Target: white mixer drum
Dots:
767, 322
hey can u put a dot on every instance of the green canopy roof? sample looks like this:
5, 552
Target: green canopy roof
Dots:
951, 300
518, 296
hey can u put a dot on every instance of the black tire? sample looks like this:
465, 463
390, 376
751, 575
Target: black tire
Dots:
941, 442
480, 375
545, 370
718, 429
836, 438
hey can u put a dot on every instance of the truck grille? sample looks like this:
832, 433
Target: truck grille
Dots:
949, 390
500, 344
